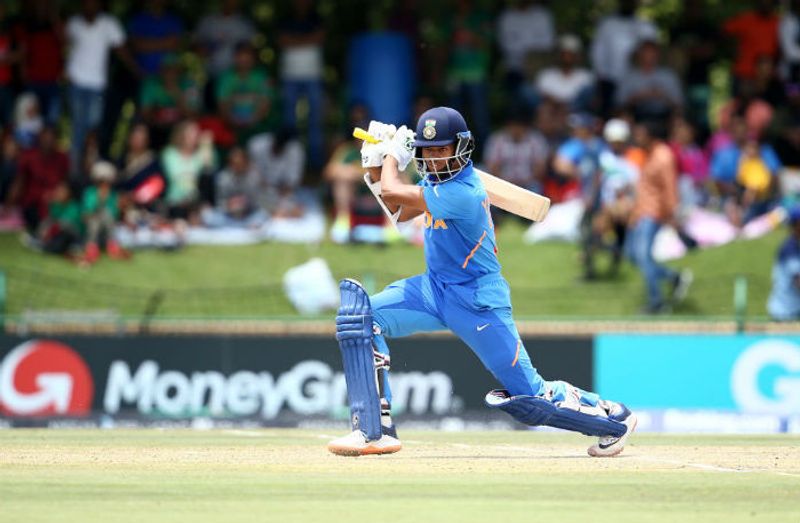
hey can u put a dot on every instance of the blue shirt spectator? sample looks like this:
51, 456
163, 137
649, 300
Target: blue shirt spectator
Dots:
579, 156
154, 33
725, 162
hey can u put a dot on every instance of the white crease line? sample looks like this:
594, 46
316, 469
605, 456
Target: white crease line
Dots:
246, 433
714, 468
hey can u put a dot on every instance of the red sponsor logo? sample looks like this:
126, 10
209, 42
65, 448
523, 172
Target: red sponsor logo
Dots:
45, 378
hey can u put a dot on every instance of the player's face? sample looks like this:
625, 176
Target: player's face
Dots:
430, 154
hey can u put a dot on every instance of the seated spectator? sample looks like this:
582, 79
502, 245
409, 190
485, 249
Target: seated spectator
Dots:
757, 175
28, 121
237, 195
62, 229
649, 89
567, 82
517, 153
784, 299
692, 164
617, 184
245, 95
167, 98
39, 170
279, 160
100, 211
140, 179
189, 156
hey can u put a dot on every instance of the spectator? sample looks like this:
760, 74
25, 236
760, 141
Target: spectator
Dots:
525, 31
90, 35
694, 43
279, 160
578, 159
27, 120
517, 153
167, 99
216, 36
245, 95
784, 299
190, 156
301, 37
615, 38
655, 206
9, 55
757, 175
692, 164
756, 34
39, 171
730, 174
237, 195
141, 178
40, 34
789, 36
9, 153
650, 90
617, 184
62, 229
100, 211
567, 82
468, 68
154, 34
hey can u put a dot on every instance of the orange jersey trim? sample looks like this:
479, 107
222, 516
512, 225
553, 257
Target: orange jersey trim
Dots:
516, 356
473, 251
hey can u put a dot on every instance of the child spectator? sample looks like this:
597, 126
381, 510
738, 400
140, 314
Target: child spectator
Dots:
279, 160
28, 121
100, 211
245, 96
784, 299
237, 195
189, 156
62, 229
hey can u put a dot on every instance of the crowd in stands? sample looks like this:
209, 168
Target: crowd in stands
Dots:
619, 121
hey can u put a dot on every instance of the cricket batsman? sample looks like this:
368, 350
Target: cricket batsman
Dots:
462, 290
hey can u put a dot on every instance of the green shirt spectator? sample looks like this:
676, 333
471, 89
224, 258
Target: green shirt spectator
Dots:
471, 39
66, 214
94, 201
190, 154
244, 93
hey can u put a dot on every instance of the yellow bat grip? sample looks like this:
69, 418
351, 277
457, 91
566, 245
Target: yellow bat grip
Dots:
361, 134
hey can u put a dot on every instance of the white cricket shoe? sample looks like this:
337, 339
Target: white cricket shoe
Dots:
608, 446
356, 444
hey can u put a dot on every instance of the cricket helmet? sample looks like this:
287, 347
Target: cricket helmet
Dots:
438, 127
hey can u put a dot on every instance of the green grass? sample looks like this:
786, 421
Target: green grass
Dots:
245, 281
287, 476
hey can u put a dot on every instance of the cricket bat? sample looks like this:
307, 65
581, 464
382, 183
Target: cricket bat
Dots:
502, 194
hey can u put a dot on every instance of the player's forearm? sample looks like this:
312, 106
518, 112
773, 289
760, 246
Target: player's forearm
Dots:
395, 192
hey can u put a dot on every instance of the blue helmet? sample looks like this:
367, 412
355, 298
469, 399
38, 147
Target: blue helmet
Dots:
438, 127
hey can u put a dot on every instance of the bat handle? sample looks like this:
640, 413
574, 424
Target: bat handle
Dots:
361, 134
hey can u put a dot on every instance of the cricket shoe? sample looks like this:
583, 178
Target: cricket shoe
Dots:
608, 446
356, 444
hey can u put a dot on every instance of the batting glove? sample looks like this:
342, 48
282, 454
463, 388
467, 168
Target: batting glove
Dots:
372, 154
401, 146
381, 131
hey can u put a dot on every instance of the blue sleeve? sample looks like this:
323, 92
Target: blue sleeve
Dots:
450, 200
771, 159
571, 150
723, 166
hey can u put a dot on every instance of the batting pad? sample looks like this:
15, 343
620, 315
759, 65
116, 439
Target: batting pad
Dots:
354, 334
532, 410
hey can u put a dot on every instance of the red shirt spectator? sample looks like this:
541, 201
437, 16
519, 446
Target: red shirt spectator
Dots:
756, 33
39, 170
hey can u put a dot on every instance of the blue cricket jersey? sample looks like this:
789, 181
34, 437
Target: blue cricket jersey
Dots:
460, 244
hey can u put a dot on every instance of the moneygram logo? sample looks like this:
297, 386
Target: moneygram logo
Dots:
44, 378
766, 378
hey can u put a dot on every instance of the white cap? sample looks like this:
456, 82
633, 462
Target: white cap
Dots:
570, 42
616, 130
103, 171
